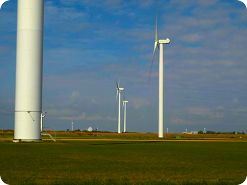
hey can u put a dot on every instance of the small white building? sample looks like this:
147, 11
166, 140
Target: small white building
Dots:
191, 132
89, 129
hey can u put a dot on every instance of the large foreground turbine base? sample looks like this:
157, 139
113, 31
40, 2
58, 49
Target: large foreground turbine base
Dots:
29, 64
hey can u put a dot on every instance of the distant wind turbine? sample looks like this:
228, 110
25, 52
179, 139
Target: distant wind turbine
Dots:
42, 116
72, 126
125, 109
159, 43
119, 90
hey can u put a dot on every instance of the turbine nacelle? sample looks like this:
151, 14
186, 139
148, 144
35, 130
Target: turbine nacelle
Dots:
165, 41
125, 102
120, 89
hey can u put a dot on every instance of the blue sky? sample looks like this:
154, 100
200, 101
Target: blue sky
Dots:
88, 45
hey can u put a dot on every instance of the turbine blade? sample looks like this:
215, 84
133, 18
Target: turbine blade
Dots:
156, 30
152, 62
123, 95
117, 94
155, 46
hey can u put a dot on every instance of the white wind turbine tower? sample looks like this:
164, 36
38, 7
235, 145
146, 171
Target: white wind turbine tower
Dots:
72, 126
159, 43
125, 107
119, 90
29, 69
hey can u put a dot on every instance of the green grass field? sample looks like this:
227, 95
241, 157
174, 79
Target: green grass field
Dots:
123, 162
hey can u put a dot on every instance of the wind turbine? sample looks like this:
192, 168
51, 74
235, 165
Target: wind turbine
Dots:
159, 43
125, 107
72, 126
119, 90
42, 116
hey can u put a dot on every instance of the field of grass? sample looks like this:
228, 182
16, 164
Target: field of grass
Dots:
123, 162
62, 135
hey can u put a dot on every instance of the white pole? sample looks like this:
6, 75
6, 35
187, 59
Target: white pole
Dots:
41, 122
161, 92
119, 111
42, 116
125, 105
72, 126
29, 62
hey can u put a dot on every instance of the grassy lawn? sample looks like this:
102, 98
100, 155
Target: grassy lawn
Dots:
129, 162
